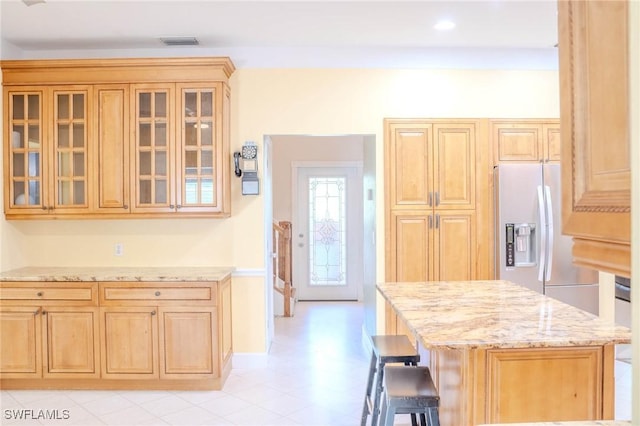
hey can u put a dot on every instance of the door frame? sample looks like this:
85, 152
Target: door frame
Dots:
358, 165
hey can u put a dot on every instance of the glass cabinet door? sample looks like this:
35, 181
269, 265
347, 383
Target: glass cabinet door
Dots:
26, 149
153, 148
70, 148
198, 147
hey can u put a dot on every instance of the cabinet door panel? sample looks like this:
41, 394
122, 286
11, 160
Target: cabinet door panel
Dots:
410, 247
455, 166
129, 343
552, 142
517, 142
24, 151
518, 382
153, 153
455, 246
20, 342
188, 343
200, 148
71, 135
594, 112
410, 165
70, 342
112, 148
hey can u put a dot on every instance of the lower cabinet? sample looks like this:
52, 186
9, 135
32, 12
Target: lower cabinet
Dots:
115, 335
49, 330
429, 246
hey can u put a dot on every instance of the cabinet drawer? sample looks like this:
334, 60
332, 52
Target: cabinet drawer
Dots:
157, 293
59, 293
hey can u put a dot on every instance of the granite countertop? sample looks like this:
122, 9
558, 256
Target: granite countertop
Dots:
109, 274
494, 314
580, 423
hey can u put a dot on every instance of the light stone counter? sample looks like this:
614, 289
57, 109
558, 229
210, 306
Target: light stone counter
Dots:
495, 314
109, 274
501, 353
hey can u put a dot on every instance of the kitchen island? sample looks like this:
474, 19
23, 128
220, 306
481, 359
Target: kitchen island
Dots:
502, 353
115, 328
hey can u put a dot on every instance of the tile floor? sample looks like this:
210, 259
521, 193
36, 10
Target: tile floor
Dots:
315, 374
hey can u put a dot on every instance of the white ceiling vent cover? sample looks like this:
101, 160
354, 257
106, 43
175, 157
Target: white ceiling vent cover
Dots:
179, 41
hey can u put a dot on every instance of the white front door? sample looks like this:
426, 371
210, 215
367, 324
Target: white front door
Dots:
327, 234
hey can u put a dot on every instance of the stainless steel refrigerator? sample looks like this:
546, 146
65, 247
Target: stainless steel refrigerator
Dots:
530, 247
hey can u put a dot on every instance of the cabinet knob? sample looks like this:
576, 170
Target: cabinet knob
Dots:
157, 293
37, 312
179, 206
44, 312
50, 208
125, 207
44, 207
153, 312
171, 206
39, 294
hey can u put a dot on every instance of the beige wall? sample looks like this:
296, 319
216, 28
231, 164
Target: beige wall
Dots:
281, 102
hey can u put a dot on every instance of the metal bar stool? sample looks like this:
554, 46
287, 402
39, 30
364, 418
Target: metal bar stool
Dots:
386, 349
409, 390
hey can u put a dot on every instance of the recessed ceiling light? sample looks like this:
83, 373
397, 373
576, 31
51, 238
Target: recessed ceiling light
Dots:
444, 25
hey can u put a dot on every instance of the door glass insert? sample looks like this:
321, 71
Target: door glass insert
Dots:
152, 143
197, 147
69, 141
327, 231
25, 148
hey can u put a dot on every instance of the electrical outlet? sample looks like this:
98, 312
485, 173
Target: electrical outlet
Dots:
119, 249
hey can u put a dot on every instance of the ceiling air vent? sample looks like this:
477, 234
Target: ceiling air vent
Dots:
179, 41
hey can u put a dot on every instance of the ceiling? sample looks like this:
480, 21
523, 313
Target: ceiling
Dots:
298, 33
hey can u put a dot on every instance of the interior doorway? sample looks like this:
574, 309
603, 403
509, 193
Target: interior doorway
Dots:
283, 151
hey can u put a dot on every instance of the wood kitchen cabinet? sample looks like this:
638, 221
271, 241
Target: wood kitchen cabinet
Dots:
49, 332
522, 140
166, 331
436, 184
46, 150
117, 138
594, 114
434, 247
177, 169
169, 334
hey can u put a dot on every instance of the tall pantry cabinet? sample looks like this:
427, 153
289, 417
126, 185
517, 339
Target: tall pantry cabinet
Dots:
437, 178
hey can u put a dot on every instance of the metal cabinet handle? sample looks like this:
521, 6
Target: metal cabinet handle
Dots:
437, 198
430, 199
157, 293
430, 222
437, 221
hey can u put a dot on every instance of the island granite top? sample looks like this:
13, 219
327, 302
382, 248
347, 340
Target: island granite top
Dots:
494, 314
110, 274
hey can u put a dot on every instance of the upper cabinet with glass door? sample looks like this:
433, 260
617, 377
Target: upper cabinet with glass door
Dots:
47, 154
117, 138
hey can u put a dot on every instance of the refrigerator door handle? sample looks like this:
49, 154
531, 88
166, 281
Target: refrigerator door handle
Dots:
543, 234
549, 233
